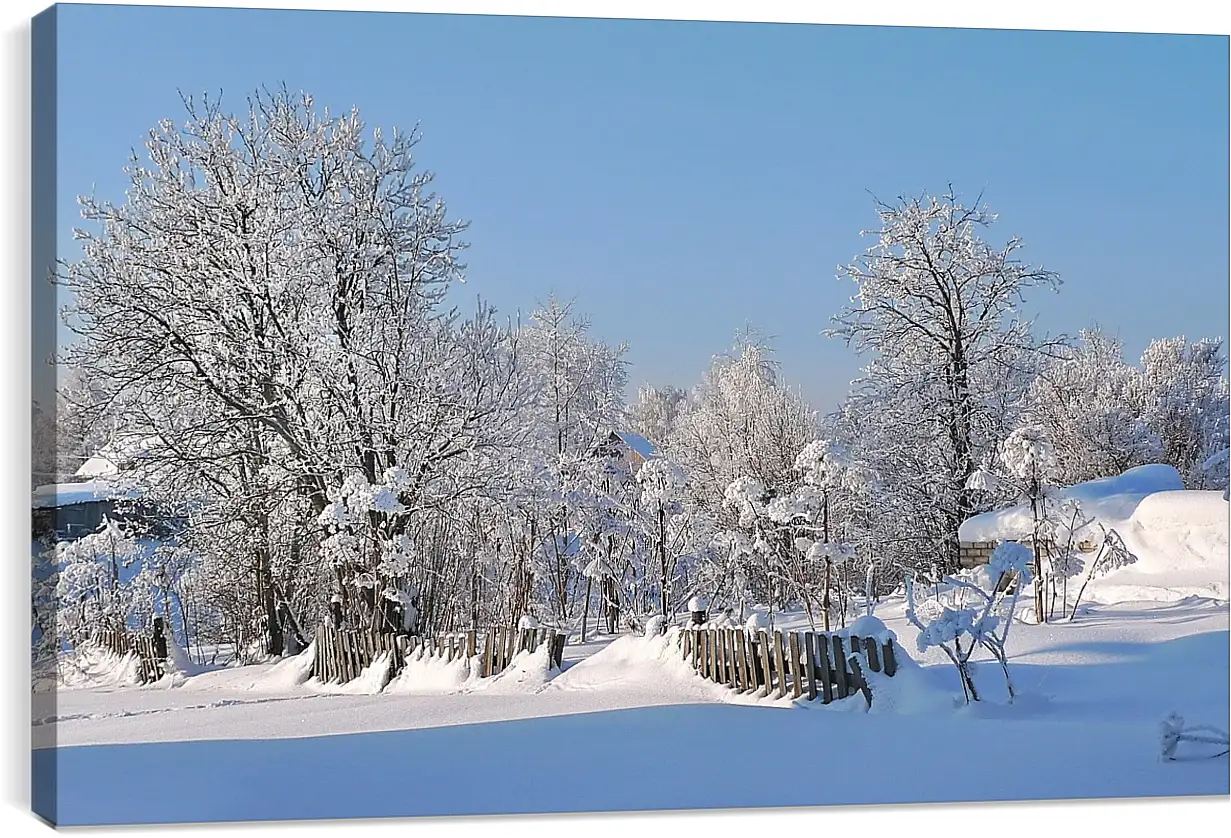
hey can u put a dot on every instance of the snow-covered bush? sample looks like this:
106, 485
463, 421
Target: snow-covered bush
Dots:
1112, 554
92, 589
981, 620
1207, 741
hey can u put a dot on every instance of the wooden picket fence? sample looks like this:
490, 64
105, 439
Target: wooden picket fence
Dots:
829, 665
341, 654
144, 646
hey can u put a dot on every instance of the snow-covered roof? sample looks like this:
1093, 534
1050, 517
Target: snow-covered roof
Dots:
100, 465
55, 495
1107, 500
638, 443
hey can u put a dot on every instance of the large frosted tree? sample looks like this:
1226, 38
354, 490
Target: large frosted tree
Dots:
265, 312
937, 313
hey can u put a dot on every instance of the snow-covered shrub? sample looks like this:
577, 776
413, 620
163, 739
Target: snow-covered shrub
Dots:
1112, 554
756, 621
655, 626
982, 621
92, 588
1028, 454
1208, 741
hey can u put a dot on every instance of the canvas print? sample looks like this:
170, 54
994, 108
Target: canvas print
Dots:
472, 415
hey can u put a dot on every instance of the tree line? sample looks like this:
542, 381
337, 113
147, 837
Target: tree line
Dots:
264, 335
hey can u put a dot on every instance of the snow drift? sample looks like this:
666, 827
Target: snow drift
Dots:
1109, 500
1181, 543
1179, 536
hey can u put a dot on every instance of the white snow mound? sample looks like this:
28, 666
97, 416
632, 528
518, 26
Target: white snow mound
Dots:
1181, 543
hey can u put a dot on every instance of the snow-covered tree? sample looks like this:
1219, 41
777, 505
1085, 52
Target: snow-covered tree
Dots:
1089, 400
1185, 403
663, 488
654, 412
937, 310
266, 306
93, 582
741, 421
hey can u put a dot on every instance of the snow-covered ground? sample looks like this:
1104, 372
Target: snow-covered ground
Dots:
627, 725
250, 743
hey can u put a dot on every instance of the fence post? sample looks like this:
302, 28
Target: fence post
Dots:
826, 674
861, 682
839, 667
810, 664
796, 687
741, 661
891, 663
869, 648
766, 657
780, 664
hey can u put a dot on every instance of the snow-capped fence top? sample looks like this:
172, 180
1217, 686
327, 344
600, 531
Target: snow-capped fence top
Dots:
342, 654
762, 661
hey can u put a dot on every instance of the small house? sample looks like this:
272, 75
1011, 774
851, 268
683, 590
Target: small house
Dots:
627, 450
67, 511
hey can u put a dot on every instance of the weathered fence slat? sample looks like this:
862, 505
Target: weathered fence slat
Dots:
796, 686
809, 664
870, 649
510, 649
766, 655
839, 667
750, 662
861, 683
741, 660
729, 643
734, 651
779, 664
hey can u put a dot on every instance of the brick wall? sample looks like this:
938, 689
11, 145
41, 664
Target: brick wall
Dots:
974, 553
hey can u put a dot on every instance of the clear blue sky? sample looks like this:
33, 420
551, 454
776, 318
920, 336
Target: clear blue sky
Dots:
682, 179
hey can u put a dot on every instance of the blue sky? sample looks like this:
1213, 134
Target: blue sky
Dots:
681, 179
